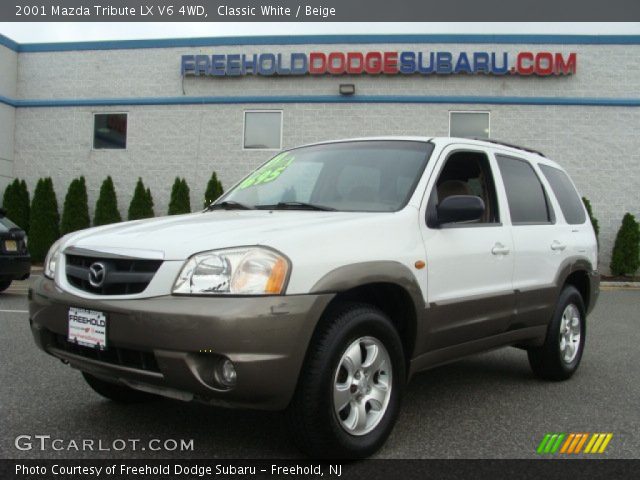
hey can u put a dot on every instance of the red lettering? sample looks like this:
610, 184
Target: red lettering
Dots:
390, 62
317, 63
336, 63
520, 63
565, 68
355, 63
544, 63
373, 63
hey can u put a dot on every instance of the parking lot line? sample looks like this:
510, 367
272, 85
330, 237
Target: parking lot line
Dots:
14, 311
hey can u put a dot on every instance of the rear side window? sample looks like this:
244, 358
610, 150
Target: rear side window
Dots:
527, 200
566, 194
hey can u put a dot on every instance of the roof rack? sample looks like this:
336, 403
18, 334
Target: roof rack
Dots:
511, 145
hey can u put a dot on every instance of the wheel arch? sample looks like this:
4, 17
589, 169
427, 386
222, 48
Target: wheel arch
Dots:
389, 286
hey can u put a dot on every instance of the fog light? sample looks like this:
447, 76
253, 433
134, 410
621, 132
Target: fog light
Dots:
228, 374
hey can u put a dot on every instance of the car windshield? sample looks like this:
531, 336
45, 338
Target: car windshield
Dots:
6, 224
365, 176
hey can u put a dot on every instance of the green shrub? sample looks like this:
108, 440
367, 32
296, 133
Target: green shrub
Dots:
16, 202
141, 205
594, 220
107, 205
149, 200
625, 258
214, 190
75, 213
45, 220
180, 202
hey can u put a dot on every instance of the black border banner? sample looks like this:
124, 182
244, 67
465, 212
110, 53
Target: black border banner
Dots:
319, 11
548, 469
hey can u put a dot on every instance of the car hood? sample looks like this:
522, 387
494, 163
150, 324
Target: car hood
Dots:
178, 237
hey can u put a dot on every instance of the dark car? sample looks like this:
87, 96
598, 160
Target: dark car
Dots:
15, 262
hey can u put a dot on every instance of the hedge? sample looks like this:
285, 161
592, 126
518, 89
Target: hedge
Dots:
141, 205
214, 190
16, 202
107, 205
75, 213
45, 220
625, 258
180, 202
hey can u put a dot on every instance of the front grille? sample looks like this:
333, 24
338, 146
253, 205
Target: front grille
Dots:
113, 355
121, 276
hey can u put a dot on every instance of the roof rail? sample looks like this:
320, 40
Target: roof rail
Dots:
511, 145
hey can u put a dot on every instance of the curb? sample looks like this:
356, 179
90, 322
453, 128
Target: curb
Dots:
620, 285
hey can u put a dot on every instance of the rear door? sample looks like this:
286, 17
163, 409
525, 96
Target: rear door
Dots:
469, 265
539, 241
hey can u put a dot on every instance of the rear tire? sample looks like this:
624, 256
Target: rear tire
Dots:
350, 387
558, 358
4, 285
117, 393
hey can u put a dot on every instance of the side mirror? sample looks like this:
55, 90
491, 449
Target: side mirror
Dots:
459, 208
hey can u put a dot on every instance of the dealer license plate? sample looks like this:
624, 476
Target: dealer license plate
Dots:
87, 328
11, 246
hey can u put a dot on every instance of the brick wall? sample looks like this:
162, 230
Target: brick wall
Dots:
598, 145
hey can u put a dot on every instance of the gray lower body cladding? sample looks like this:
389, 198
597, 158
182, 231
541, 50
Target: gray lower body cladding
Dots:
171, 345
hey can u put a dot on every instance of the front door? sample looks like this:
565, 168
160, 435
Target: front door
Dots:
469, 265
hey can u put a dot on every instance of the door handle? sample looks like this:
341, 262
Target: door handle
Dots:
557, 246
500, 249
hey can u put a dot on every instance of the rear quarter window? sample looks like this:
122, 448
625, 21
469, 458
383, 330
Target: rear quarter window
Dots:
528, 203
566, 194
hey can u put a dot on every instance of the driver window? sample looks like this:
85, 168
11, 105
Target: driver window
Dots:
469, 173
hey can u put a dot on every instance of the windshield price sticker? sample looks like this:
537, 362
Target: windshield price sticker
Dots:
270, 171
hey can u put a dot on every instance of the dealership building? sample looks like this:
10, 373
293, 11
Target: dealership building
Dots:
160, 108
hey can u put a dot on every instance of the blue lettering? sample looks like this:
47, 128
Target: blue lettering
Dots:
481, 62
187, 65
202, 65
233, 65
407, 62
280, 69
298, 64
444, 63
495, 69
462, 65
428, 68
249, 65
267, 64
217, 65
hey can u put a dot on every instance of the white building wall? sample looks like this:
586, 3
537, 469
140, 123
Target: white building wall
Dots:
598, 145
8, 77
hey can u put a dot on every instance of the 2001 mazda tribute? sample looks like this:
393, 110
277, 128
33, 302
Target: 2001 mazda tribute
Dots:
325, 279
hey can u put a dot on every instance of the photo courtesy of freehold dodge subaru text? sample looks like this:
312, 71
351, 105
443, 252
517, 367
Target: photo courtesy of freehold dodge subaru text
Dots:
227, 306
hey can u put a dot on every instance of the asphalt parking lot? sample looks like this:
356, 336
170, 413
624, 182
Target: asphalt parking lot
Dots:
486, 406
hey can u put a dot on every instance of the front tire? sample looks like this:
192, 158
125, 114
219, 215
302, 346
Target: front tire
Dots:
350, 388
116, 392
558, 358
4, 285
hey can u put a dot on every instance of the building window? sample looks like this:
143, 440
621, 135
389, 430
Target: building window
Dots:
469, 124
109, 131
263, 130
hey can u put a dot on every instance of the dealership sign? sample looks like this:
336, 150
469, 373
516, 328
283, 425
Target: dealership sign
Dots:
386, 63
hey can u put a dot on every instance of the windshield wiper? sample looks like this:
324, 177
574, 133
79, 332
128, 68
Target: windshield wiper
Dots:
296, 206
228, 205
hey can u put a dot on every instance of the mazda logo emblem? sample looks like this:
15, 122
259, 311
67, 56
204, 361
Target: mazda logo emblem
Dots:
97, 274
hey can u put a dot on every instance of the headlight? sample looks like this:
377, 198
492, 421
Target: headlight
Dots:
51, 260
235, 271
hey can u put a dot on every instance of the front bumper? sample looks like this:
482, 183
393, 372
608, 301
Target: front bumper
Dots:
15, 267
171, 345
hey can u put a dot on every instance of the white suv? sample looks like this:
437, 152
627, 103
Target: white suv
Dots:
323, 281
